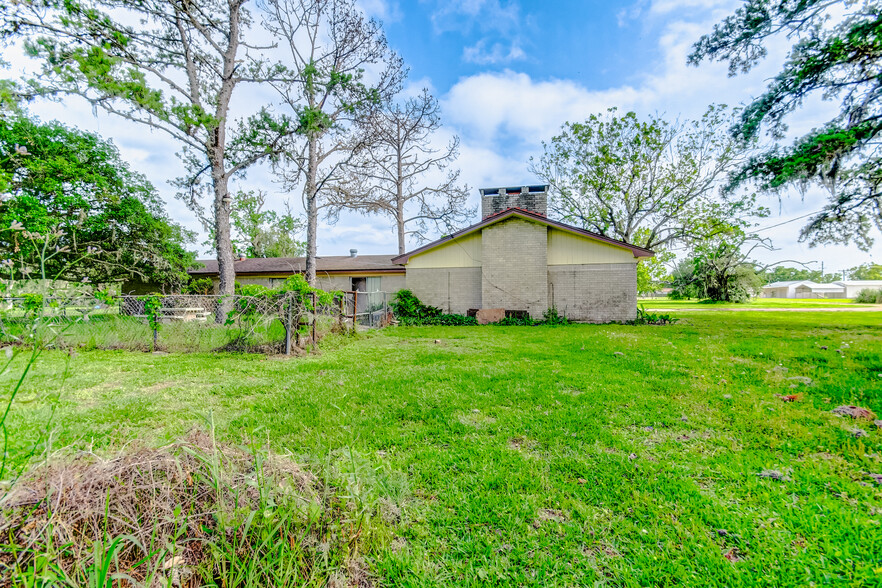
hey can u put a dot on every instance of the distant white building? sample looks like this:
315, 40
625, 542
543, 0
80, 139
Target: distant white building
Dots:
853, 287
809, 289
803, 289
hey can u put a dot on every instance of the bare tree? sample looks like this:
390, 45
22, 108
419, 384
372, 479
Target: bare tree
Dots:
171, 65
342, 68
394, 174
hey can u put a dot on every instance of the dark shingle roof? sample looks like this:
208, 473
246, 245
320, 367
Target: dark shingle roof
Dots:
324, 264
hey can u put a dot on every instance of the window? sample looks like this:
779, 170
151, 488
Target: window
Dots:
359, 284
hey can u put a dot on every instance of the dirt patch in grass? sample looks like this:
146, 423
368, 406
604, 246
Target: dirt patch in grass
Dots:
549, 515
475, 419
181, 515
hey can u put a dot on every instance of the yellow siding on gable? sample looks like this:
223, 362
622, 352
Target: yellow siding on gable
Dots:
461, 252
568, 249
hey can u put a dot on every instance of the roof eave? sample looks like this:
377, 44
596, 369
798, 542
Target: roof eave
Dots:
638, 252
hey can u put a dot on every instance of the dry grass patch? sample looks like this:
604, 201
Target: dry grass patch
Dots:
189, 514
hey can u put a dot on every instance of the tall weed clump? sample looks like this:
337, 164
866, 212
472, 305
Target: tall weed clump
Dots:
869, 296
196, 513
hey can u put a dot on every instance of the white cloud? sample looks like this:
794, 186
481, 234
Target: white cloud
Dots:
503, 117
386, 11
484, 106
662, 7
483, 15
414, 88
486, 53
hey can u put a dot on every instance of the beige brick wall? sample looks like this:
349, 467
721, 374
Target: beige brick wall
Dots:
393, 283
453, 289
515, 272
594, 293
333, 282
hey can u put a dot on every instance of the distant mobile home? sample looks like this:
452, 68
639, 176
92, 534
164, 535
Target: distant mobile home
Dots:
809, 289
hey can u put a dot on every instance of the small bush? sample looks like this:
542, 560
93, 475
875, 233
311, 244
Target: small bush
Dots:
552, 317
409, 310
868, 296
450, 320
453, 320
517, 321
200, 286
650, 318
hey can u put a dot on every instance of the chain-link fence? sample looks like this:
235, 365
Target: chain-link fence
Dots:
275, 323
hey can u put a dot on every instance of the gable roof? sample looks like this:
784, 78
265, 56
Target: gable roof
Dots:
807, 283
860, 283
329, 264
529, 216
791, 283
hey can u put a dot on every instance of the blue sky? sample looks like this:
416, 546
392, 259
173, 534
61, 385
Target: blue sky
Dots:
508, 74
450, 40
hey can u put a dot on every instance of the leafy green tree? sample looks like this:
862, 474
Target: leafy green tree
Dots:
653, 273
781, 273
837, 55
648, 182
867, 271
791, 274
265, 233
70, 191
330, 45
170, 65
719, 270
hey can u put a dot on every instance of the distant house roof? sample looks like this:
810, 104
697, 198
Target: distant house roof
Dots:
806, 283
330, 264
876, 283
530, 216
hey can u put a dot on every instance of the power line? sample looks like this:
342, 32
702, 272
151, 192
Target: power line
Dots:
786, 222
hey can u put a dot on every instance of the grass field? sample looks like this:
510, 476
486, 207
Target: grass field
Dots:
568, 456
782, 303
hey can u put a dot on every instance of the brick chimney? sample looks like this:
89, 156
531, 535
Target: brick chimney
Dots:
531, 198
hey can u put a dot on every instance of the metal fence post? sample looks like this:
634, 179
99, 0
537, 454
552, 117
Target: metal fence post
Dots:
314, 316
288, 326
354, 309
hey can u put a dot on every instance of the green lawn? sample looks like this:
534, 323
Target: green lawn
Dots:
542, 457
784, 303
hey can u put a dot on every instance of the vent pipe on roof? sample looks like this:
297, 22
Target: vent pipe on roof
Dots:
353, 253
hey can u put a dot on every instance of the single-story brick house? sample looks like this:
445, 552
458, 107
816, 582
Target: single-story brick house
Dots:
518, 259
365, 273
515, 258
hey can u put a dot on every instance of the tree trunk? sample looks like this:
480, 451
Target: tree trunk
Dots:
217, 155
400, 222
311, 212
223, 242
399, 197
